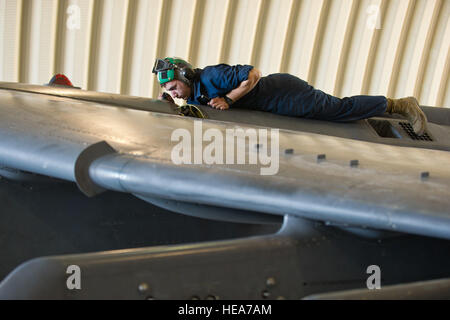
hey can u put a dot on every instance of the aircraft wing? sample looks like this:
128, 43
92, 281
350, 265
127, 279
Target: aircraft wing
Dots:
107, 147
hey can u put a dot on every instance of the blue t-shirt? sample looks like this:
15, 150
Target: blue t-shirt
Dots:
273, 93
217, 81
282, 93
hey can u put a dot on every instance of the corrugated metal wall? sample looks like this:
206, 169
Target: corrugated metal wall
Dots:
343, 47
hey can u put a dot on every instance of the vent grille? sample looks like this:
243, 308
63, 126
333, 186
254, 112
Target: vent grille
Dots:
409, 130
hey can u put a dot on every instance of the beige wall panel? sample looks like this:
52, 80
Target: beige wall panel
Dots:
142, 47
73, 39
436, 70
307, 38
37, 40
437, 56
431, 26
445, 86
394, 25
343, 47
333, 42
361, 40
217, 33
10, 12
414, 47
244, 27
179, 28
443, 95
268, 51
210, 31
107, 46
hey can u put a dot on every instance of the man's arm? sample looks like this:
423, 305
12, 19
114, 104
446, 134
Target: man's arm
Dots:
244, 87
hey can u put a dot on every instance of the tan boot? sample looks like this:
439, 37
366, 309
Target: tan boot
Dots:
409, 108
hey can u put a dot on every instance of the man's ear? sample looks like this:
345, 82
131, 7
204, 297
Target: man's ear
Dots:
188, 73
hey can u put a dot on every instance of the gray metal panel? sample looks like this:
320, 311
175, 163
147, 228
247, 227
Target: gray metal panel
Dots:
433, 289
52, 217
304, 258
45, 135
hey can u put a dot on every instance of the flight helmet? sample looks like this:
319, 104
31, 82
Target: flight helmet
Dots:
169, 69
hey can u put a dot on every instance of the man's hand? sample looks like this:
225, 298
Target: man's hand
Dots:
218, 103
165, 97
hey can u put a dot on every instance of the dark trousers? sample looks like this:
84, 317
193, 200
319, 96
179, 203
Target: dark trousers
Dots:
285, 94
324, 106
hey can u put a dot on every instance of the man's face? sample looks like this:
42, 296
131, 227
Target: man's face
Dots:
178, 89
